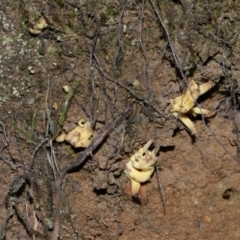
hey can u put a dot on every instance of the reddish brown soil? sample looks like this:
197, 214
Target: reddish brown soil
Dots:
113, 53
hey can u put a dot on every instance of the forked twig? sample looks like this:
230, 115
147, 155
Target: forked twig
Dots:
36, 150
4, 132
120, 49
144, 52
81, 159
10, 163
92, 120
161, 190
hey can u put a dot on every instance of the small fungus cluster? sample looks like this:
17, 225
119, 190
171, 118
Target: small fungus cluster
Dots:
140, 167
40, 25
185, 104
80, 136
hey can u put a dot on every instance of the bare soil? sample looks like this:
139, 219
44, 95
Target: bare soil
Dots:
118, 55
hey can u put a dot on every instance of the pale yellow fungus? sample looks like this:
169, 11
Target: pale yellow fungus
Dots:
140, 167
185, 103
40, 25
80, 136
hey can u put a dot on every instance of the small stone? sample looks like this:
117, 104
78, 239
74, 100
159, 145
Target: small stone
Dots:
112, 189
31, 101
100, 181
119, 229
102, 163
90, 34
111, 179
114, 167
102, 206
207, 219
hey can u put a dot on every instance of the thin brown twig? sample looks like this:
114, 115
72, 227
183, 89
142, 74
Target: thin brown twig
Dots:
9, 214
25, 222
18, 147
46, 106
107, 97
161, 190
144, 52
92, 118
120, 49
112, 108
70, 219
36, 150
235, 106
10, 163
4, 132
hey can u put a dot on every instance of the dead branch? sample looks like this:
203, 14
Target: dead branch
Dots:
144, 52
120, 49
81, 159
91, 51
4, 132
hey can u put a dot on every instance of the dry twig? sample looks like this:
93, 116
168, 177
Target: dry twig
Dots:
80, 160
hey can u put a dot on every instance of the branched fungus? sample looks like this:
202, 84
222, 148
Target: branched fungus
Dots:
140, 167
80, 136
186, 103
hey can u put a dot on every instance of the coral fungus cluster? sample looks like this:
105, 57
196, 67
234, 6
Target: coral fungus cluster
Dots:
185, 103
140, 167
80, 136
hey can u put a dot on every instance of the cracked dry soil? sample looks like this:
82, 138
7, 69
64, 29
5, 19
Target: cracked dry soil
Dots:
116, 52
